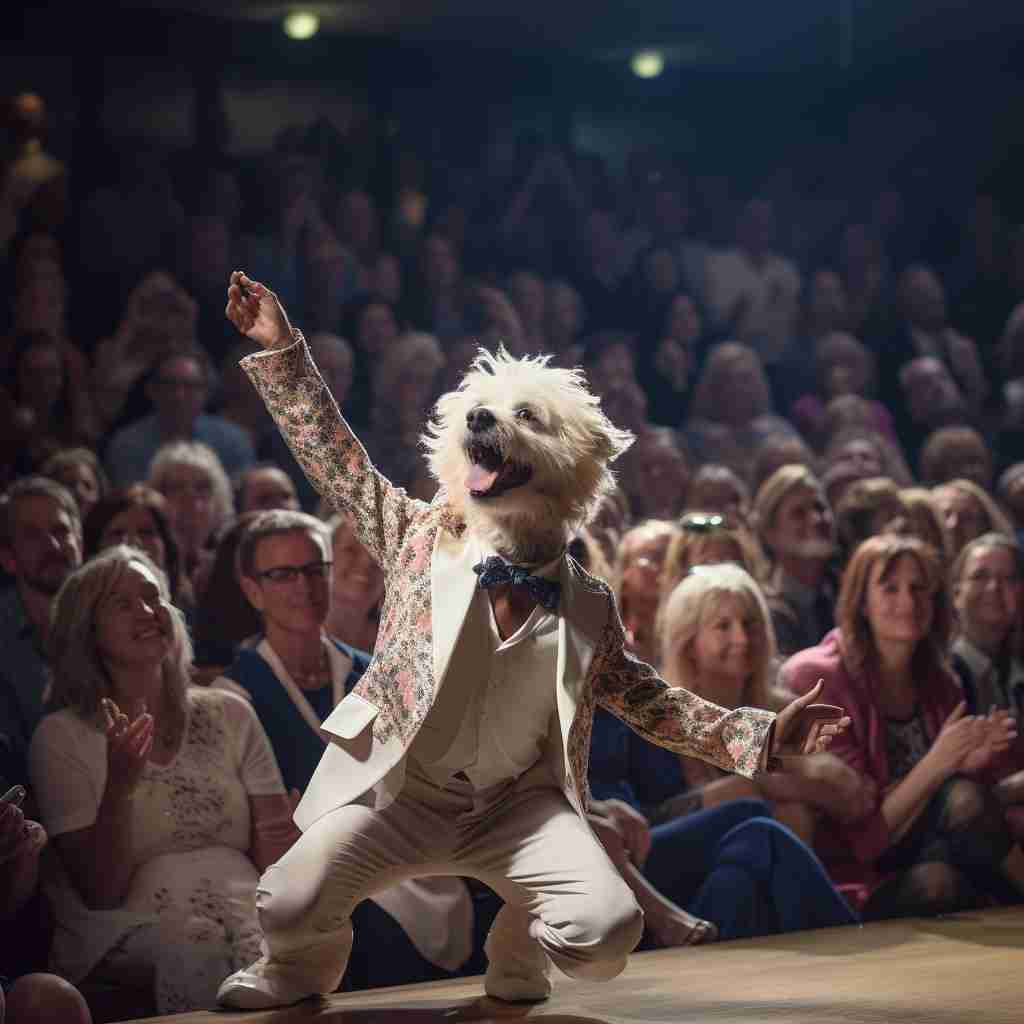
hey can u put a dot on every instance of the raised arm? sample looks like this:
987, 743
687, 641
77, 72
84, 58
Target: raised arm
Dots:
305, 412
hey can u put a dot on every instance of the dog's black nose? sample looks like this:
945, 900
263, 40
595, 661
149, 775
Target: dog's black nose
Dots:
479, 420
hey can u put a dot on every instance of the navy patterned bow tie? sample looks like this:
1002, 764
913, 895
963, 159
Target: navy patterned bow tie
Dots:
495, 570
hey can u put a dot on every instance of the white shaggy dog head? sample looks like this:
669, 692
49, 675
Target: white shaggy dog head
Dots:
521, 450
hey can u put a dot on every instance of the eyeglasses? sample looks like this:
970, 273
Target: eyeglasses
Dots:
702, 522
290, 573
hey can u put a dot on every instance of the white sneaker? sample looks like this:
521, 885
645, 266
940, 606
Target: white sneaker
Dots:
264, 985
518, 969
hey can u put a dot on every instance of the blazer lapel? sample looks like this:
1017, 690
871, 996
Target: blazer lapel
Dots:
452, 585
577, 627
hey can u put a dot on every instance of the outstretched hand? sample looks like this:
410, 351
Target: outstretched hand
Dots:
255, 310
803, 727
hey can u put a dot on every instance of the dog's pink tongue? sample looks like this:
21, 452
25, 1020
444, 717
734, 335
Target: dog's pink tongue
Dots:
480, 479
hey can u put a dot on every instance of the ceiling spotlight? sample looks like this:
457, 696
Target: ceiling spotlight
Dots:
301, 24
647, 64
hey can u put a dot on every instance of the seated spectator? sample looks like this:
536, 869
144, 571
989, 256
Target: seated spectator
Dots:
239, 402
753, 292
706, 539
79, 470
608, 522
358, 588
294, 677
52, 408
138, 516
190, 476
866, 508
933, 840
928, 398
667, 359
528, 294
794, 524
178, 386
920, 519
159, 319
655, 474
224, 618
1010, 491
716, 640
728, 872
639, 562
967, 511
609, 358
40, 546
373, 327
776, 451
732, 392
854, 453
987, 581
32, 996
718, 489
264, 487
924, 331
842, 366
404, 382
563, 324
952, 453
164, 803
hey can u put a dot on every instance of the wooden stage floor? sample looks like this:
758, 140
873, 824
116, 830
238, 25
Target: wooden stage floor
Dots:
967, 969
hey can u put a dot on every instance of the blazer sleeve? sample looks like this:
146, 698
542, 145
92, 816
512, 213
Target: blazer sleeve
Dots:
331, 456
671, 717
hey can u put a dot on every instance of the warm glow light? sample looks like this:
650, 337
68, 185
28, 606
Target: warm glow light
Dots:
301, 24
647, 64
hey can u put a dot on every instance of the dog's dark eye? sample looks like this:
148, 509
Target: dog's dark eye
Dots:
524, 414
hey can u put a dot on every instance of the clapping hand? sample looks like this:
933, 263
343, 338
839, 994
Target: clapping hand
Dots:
255, 310
803, 727
128, 745
993, 735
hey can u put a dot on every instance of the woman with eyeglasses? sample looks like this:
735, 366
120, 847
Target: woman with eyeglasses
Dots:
988, 580
164, 802
934, 839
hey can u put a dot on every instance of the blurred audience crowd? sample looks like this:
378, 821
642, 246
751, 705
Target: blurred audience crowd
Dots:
828, 400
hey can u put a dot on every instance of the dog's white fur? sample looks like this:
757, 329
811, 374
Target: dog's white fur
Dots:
568, 443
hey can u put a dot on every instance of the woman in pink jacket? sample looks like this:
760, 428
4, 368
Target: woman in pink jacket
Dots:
936, 840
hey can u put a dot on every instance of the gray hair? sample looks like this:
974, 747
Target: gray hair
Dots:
35, 487
272, 523
198, 456
79, 678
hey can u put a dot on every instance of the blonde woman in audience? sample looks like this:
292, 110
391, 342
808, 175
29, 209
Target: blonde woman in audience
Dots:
967, 511
164, 803
716, 640
707, 538
199, 499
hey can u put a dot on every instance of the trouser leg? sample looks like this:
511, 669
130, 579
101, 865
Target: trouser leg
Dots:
561, 889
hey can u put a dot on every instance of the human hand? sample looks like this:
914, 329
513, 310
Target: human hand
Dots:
19, 838
993, 735
803, 727
128, 746
255, 310
631, 826
957, 737
852, 795
610, 838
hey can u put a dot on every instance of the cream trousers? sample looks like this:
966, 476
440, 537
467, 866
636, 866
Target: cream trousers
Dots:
525, 842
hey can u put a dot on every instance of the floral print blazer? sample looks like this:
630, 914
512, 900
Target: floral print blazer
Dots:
412, 540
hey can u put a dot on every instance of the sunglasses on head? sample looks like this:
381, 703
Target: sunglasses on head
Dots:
702, 522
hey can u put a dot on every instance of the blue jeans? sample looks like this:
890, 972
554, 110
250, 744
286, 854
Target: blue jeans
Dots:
737, 867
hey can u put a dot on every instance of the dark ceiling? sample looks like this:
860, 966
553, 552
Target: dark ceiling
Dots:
712, 34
